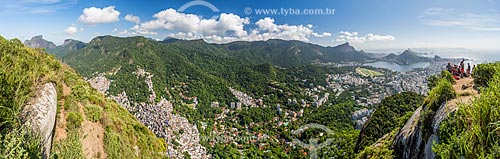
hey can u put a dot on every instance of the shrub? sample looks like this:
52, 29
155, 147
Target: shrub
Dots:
442, 92
434, 79
93, 112
447, 76
74, 120
70, 105
483, 73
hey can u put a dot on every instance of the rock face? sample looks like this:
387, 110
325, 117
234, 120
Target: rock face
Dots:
71, 44
39, 114
39, 42
408, 142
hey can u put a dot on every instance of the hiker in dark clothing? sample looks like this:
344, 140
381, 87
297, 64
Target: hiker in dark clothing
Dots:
448, 67
462, 72
468, 70
472, 70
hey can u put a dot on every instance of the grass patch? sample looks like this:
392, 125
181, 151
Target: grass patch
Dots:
93, 112
19, 143
68, 148
367, 72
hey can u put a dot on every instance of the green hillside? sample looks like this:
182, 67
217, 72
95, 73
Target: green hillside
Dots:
391, 113
195, 68
23, 69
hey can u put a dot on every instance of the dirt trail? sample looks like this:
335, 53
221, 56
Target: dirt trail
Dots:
470, 91
92, 138
61, 133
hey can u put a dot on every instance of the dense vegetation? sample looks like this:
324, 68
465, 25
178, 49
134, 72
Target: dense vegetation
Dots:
184, 69
23, 69
18, 76
391, 111
474, 131
386, 147
434, 79
484, 73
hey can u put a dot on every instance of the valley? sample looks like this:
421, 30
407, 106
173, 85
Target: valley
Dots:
212, 104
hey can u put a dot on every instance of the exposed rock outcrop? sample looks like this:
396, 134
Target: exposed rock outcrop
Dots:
411, 141
39, 42
39, 114
408, 142
428, 153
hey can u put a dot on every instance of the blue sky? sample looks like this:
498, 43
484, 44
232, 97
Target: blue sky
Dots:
373, 25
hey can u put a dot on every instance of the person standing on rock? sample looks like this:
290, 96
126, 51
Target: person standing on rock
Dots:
468, 70
462, 69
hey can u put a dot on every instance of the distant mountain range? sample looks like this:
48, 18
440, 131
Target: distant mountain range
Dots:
408, 57
277, 52
66, 48
39, 42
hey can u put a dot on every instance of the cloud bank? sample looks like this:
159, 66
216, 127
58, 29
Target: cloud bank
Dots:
227, 28
345, 36
93, 15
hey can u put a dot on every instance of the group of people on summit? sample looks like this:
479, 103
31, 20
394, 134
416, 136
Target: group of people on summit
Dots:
459, 71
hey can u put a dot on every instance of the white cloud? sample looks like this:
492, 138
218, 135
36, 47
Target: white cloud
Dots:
71, 30
133, 19
267, 24
449, 17
138, 30
227, 24
354, 37
227, 28
324, 34
172, 20
95, 15
181, 35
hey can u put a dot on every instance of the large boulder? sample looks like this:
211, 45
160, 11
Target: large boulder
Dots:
408, 142
39, 114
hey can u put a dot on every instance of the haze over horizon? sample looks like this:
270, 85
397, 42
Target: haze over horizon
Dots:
447, 28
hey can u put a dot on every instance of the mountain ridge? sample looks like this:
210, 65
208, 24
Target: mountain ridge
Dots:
286, 53
406, 57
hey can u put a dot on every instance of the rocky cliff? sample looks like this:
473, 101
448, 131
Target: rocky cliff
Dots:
415, 140
39, 42
408, 142
39, 114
